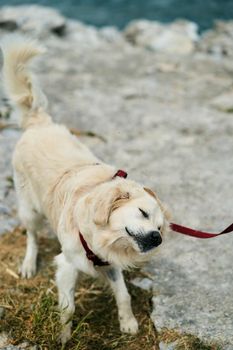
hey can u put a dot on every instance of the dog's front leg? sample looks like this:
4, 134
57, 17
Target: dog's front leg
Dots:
66, 278
28, 268
128, 323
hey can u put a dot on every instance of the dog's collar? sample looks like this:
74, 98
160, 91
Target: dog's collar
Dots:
120, 173
89, 253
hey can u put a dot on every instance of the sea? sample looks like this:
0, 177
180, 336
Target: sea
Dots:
120, 12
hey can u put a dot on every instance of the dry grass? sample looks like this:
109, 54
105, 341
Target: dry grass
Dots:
31, 312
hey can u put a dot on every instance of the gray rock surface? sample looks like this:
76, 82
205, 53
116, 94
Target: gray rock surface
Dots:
143, 283
192, 290
224, 101
156, 112
3, 340
164, 346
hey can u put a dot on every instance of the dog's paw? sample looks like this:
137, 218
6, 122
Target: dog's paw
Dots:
129, 325
28, 268
65, 334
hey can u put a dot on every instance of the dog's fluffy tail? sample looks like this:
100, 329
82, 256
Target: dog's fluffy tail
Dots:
20, 84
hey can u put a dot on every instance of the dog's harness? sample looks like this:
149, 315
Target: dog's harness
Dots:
174, 227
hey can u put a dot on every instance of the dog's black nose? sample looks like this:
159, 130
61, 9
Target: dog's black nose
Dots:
155, 238
149, 241
146, 241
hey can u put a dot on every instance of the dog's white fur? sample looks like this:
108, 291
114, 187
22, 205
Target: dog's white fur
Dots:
57, 177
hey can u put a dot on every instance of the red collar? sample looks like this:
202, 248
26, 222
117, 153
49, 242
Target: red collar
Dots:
89, 253
120, 173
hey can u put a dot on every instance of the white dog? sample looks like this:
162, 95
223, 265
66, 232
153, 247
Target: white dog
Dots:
104, 222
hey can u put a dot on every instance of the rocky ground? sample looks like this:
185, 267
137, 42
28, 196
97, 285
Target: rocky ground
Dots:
162, 96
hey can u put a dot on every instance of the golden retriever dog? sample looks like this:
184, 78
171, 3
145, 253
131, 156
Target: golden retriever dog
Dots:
104, 223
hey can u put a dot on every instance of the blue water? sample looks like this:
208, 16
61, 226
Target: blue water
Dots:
120, 12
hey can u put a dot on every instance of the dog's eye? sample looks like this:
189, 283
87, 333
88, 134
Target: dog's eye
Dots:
145, 214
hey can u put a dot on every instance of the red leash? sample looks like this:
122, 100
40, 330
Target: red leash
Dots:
186, 230
199, 234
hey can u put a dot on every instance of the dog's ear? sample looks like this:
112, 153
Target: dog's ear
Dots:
162, 207
108, 201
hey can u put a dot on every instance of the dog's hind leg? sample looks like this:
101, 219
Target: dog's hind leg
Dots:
66, 278
128, 323
32, 221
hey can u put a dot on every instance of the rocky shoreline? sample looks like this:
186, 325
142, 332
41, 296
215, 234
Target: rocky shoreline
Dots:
162, 96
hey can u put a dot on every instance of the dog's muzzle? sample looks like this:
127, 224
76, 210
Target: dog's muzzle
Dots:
146, 241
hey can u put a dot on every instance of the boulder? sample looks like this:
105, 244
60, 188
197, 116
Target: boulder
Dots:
218, 41
33, 19
111, 34
84, 36
176, 38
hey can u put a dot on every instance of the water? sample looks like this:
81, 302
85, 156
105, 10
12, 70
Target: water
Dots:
120, 12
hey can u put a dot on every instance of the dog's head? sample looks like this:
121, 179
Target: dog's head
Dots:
124, 222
